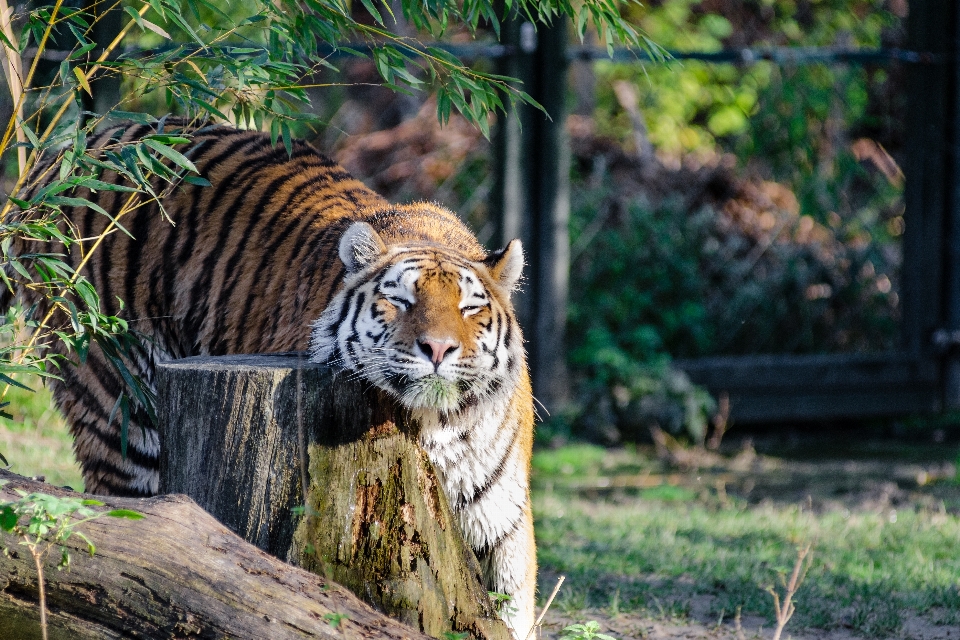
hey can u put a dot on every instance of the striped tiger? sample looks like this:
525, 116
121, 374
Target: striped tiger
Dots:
289, 252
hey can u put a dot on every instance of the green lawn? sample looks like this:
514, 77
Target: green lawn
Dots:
37, 441
628, 545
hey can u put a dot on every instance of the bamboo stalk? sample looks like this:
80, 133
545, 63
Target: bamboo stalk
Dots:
13, 70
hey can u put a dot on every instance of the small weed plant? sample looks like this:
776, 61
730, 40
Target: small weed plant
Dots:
43, 523
335, 619
586, 631
502, 603
784, 610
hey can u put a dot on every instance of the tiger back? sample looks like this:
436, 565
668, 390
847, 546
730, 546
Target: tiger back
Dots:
285, 252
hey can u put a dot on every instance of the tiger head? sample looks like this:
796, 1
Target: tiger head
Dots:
429, 326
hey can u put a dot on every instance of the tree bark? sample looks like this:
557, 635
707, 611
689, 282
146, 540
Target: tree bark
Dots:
176, 573
251, 437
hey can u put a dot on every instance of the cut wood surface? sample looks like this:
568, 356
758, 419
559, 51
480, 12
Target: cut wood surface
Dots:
176, 573
234, 431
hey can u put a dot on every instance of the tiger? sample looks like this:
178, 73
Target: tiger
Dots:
285, 251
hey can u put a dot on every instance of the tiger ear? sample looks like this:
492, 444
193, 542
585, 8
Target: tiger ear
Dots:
360, 246
506, 265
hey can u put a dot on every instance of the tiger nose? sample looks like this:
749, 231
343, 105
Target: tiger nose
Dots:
436, 349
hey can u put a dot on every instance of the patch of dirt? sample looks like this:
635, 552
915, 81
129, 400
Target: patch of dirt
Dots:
876, 481
630, 626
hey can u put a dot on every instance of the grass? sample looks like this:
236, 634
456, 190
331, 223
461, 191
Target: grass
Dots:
654, 550
37, 441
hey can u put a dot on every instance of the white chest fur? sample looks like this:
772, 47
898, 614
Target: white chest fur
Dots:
485, 477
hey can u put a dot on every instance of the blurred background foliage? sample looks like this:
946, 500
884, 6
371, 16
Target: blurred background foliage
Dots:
718, 209
736, 208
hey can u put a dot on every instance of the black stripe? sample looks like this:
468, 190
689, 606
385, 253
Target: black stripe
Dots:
493, 478
508, 335
141, 235
361, 299
82, 395
314, 250
92, 466
231, 274
488, 548
111, 441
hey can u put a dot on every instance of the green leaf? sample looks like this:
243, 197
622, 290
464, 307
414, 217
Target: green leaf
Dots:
82, 50
209, 108
287, 142
165, 139
373, 11
31, 136
135, 15
197, 180
171, 154
125, 423
98, 185
7, 379
155, 28
6, 42
8, 517
125, 513
138, 118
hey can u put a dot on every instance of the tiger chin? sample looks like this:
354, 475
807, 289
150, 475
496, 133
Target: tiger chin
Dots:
287, 251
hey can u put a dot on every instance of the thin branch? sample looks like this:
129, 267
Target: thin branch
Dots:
785, 610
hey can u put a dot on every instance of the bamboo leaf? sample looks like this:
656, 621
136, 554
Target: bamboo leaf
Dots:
196, 180
82, 79
139, 118
5, 378
125, 513
135, 15
171, 154
155, 28
82, 50
373, 11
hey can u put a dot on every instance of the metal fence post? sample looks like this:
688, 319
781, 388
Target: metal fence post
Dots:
532, 197
930, 264
951, 365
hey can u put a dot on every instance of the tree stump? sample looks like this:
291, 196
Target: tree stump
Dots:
250, 438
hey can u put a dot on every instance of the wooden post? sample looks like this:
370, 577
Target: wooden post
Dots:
251, 437
531, 200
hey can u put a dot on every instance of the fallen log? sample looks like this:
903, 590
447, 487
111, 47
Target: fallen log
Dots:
252, 438
176, 573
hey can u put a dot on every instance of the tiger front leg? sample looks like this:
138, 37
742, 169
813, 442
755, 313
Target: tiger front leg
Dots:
510, 568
